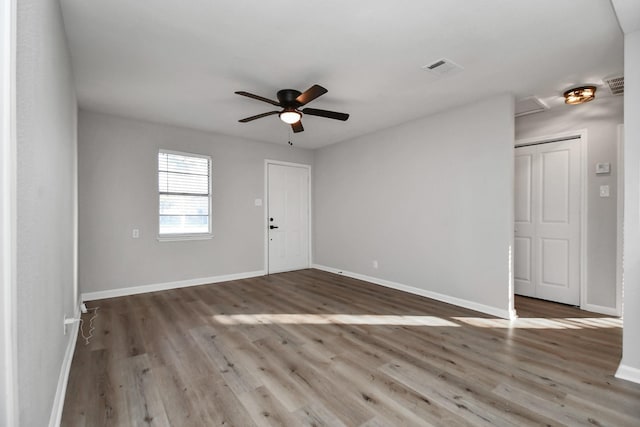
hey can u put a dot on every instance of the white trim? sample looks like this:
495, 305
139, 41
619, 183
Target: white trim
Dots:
267, 162
58, 401
8, 215
471, 305
584, 217
76, 290
183, 237
601, 309
620, 222
134, 290
584, 148
628, 373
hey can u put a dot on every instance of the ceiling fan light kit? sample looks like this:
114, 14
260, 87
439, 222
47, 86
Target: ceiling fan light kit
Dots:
290, 116
291, 100
579, 95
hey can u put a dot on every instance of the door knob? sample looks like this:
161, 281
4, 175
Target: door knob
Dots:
271, 227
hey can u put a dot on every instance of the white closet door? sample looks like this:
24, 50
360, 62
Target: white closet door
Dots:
547, 221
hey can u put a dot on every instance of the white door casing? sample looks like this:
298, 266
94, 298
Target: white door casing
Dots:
547, 249
288, 216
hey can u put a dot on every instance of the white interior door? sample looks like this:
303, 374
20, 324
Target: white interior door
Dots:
288, 217
547, 221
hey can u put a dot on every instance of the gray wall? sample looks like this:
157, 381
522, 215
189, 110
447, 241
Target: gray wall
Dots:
601, 118
631, 332
118, 192
46, 164
431, 201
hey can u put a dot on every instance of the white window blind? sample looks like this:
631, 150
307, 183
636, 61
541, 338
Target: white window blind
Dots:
184, 183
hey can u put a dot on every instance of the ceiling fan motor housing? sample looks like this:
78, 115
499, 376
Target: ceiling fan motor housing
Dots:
287, 98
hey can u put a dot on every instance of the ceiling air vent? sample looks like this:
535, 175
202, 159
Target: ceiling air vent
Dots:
443, 67
615, 84
530, 105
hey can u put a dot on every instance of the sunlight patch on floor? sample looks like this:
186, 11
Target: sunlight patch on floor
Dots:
328, 319
543, 323
411, 320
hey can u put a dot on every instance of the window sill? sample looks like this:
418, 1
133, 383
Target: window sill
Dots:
182, 238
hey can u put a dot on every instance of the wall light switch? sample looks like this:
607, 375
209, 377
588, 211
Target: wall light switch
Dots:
258, 202
135, 233
604, 191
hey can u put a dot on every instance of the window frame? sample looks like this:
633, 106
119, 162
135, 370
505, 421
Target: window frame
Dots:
173, 237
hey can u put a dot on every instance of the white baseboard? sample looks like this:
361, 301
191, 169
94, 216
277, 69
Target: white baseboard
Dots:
133, 290
601, 309
493, 311
628, 373
63, 379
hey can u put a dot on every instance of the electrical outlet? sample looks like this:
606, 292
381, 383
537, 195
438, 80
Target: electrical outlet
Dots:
68, 321
375, 263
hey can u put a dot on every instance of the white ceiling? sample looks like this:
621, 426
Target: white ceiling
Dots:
179, 62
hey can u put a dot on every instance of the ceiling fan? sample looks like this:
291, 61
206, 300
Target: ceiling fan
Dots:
291, 100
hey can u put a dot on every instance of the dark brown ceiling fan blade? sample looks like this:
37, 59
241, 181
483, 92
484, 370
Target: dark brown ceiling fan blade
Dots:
297, 126
259, 98
310, 94
324, 113
258, 116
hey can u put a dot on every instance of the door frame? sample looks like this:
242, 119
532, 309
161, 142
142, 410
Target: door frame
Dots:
581, 137
8, 216
268, 162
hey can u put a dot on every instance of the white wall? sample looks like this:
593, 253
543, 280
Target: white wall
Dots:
118, 192
46, 164
430, 200
600, 118
630, 364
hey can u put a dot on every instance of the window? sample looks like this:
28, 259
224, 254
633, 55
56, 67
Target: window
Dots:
184, 182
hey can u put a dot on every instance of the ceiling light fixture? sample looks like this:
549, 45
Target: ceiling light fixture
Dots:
580, 95
290, 116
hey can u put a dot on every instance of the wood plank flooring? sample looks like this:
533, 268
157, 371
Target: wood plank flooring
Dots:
310, 348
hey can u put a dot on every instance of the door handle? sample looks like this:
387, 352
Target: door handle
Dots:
271, 227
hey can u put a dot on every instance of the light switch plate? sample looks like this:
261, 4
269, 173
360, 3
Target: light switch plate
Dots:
603, 168
604, 191
258, 202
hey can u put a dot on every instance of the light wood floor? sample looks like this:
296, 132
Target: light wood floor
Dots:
310, 348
